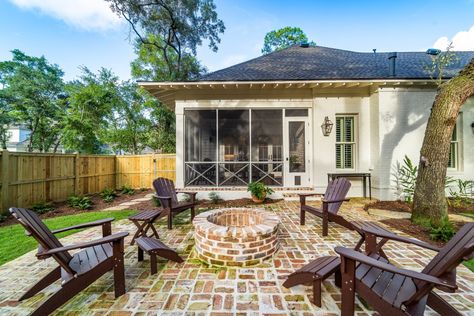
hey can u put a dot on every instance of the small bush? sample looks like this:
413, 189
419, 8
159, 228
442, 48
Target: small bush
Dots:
42, 207
463, 194
259, 190
214, 197
444, 232
3, 217
108, 195
144, 189
125, 189
78, 202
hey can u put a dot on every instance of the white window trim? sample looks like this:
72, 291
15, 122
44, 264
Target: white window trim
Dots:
459, 146
355, 153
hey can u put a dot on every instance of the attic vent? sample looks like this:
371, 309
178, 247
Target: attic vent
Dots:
304, 44
433, 51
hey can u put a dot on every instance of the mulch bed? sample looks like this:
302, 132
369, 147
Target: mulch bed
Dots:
397, 206
62, 208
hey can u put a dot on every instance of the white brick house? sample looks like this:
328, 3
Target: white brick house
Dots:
262, 120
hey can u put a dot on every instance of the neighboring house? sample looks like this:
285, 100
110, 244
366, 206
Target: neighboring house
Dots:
18, 140
263, 119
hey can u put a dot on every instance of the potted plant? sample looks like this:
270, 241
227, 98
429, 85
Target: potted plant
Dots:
259, 191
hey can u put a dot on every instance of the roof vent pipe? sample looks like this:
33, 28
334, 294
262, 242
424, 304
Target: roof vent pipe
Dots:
392, 57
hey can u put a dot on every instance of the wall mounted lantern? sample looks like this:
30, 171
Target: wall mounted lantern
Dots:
326, 127
472, 127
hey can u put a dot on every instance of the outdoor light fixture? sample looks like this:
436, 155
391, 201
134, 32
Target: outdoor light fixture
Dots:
327, 126
472, 126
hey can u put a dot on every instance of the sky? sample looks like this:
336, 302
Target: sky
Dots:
74, 33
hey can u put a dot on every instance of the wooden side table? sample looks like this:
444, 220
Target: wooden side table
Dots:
144, 222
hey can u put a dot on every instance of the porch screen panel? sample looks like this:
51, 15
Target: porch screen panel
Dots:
234, 147
267, 146
200, 147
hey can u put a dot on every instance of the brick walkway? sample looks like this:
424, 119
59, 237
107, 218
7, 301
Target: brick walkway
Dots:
192, 288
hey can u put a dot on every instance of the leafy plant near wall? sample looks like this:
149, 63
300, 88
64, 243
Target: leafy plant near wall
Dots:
126, 189
108, 195
405, 179
258, 190
42, 207
214, 197
80, 202
463, 194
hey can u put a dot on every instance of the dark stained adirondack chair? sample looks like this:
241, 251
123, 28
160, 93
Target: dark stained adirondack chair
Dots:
166, 193
332, 200
76, 271
396, 291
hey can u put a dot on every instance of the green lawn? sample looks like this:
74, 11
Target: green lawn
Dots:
14, 242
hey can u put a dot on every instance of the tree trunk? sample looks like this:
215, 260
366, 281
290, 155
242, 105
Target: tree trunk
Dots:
429, 202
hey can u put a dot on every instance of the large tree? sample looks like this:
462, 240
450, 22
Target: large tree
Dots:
429, 202
91, 100
33, 91
283, 38
174, 27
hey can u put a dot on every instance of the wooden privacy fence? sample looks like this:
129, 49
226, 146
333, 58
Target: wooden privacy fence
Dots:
29, 178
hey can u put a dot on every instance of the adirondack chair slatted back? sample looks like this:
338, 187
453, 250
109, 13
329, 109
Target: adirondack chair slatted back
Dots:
43, 235
460, 247
165, 187
336, 190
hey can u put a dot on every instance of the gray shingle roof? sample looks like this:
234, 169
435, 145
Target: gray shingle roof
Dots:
323, 63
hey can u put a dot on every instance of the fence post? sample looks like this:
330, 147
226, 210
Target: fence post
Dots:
76, 174
5, 181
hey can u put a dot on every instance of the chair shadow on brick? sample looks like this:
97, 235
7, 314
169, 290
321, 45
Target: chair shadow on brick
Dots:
76, 271
166, 193
336, 193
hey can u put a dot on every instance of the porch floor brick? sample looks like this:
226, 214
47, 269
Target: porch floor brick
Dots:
193, 288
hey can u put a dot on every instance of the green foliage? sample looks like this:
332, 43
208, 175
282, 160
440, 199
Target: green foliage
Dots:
108, 195
214, 197
3, 217
463, 194
174, 27
42, 207
126, 189
80, 202
443, 232
440, 62
156, 201
405, 179
283, 38
32, 94
14, 243
259, 190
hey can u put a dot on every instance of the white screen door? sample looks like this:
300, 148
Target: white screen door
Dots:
297, 151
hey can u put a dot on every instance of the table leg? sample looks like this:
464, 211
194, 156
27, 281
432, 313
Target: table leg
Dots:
138, 233
140, 254
153, 263
317, 292
370, 187
365, 186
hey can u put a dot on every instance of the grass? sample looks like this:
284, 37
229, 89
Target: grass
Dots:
14, 242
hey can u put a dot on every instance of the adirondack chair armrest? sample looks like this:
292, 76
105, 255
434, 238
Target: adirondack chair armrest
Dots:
307, 194
85, 225
362, 258
111, 238
392, 236
163, 197
335, 201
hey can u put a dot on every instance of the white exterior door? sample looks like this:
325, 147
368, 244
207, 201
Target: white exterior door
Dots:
297, 151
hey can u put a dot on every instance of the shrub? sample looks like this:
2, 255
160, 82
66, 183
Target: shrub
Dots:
3, 217
78, 202
259, 190
108, 195
214, 197
126, 189
42, 207
156, 201
444, 232
463, 194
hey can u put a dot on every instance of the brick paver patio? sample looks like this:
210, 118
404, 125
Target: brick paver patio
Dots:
192, 288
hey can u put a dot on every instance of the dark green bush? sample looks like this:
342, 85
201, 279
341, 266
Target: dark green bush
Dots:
126, 189
3, 217
108, 195
156, 201
42, 207
214, 197
444, 232
80, 202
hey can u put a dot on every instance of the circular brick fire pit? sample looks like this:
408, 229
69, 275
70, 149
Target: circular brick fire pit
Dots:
236, 236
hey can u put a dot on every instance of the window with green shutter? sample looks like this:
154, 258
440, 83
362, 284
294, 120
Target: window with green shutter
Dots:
345, 142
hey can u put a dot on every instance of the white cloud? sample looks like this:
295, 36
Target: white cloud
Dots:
462, 41
84, 14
